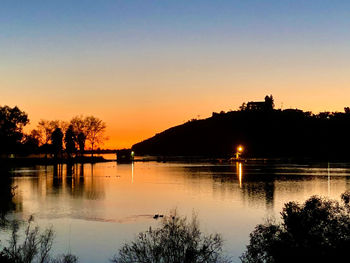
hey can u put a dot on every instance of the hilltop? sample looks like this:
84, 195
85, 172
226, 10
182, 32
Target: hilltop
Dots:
263, 130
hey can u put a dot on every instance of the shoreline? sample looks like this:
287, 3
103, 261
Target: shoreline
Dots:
24, 161
50, 161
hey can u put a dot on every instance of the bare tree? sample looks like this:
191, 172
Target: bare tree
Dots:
35, 247
78, 124
79, 127
89, 128
95, 129
44, 129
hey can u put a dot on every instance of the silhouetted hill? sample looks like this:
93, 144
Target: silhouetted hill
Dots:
264, 133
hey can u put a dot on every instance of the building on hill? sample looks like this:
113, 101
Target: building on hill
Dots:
255, 105
266, 105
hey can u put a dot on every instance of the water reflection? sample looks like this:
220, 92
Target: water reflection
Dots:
59, 183
132, 172
74, 180
258, 184
114, 202
329, 180
254, 184
239, 173
6, 196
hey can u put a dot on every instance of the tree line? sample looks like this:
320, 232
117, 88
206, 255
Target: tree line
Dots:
60, 138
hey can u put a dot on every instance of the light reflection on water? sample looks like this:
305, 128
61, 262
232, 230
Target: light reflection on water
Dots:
95, 208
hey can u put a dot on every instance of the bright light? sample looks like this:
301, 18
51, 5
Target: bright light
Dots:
240, 148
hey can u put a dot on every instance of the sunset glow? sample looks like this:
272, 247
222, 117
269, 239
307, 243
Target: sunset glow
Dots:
144, 66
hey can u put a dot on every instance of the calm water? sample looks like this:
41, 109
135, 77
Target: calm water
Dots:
96, 208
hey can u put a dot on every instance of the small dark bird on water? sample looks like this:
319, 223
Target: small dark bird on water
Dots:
157, 215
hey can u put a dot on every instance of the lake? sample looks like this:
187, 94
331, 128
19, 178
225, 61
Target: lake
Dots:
94, 209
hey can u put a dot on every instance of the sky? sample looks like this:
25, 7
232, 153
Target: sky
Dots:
144, 66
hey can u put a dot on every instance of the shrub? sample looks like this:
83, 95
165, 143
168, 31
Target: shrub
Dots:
35, 248
174, 241
65, 258
317, 231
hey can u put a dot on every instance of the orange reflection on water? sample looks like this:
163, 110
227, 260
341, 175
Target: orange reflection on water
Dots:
239, 173
97, 207
132, 173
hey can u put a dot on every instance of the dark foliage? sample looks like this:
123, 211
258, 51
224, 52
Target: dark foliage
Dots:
57, 143
317, 231
12, 121
81, 138
65, 258
176, 241
30, 144
69, 139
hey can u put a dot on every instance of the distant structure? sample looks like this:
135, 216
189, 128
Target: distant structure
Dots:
266, 105
125, 156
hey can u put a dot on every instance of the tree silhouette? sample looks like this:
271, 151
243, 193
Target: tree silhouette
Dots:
30, 142
69, 140
243, 107
45, 129
81, 138
79, 127
94, 131
56, 137
89, 129
317, 231
12, 121
35, 135
269, 102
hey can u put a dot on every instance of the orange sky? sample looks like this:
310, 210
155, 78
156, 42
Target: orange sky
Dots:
128, 123
144, 67
138, 98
